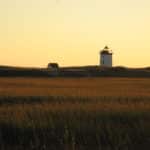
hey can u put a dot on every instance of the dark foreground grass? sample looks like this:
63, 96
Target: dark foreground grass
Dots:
74, 123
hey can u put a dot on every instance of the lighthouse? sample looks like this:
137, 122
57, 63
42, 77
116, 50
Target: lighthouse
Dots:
106, 57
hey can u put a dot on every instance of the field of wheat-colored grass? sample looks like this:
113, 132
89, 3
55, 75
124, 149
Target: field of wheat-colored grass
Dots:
84, 87
74, 113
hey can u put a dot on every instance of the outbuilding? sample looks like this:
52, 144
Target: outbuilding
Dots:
53, 66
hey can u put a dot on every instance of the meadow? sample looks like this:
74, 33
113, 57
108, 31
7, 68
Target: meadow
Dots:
74, 113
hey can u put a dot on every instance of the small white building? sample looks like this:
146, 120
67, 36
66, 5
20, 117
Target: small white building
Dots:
53, 66
106, 57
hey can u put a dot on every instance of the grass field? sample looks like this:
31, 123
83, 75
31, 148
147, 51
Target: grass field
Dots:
74, 113
84, 87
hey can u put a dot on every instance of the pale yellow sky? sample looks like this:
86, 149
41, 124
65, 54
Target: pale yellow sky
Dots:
71, 32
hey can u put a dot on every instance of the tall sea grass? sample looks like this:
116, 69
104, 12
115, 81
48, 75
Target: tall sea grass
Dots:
74, 123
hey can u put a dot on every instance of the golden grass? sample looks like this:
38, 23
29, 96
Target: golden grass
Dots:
104, 113
84, 87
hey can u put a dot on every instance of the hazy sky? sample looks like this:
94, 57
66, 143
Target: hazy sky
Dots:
71, 32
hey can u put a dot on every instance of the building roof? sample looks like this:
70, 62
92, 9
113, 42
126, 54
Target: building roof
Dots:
106, 51
53, 65
106, 48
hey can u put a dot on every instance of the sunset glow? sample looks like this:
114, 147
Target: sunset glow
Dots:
72, 32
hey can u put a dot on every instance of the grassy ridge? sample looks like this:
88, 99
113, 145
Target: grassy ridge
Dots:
81, 71
75, 123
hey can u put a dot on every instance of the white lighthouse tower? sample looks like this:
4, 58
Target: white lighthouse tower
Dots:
106, 57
